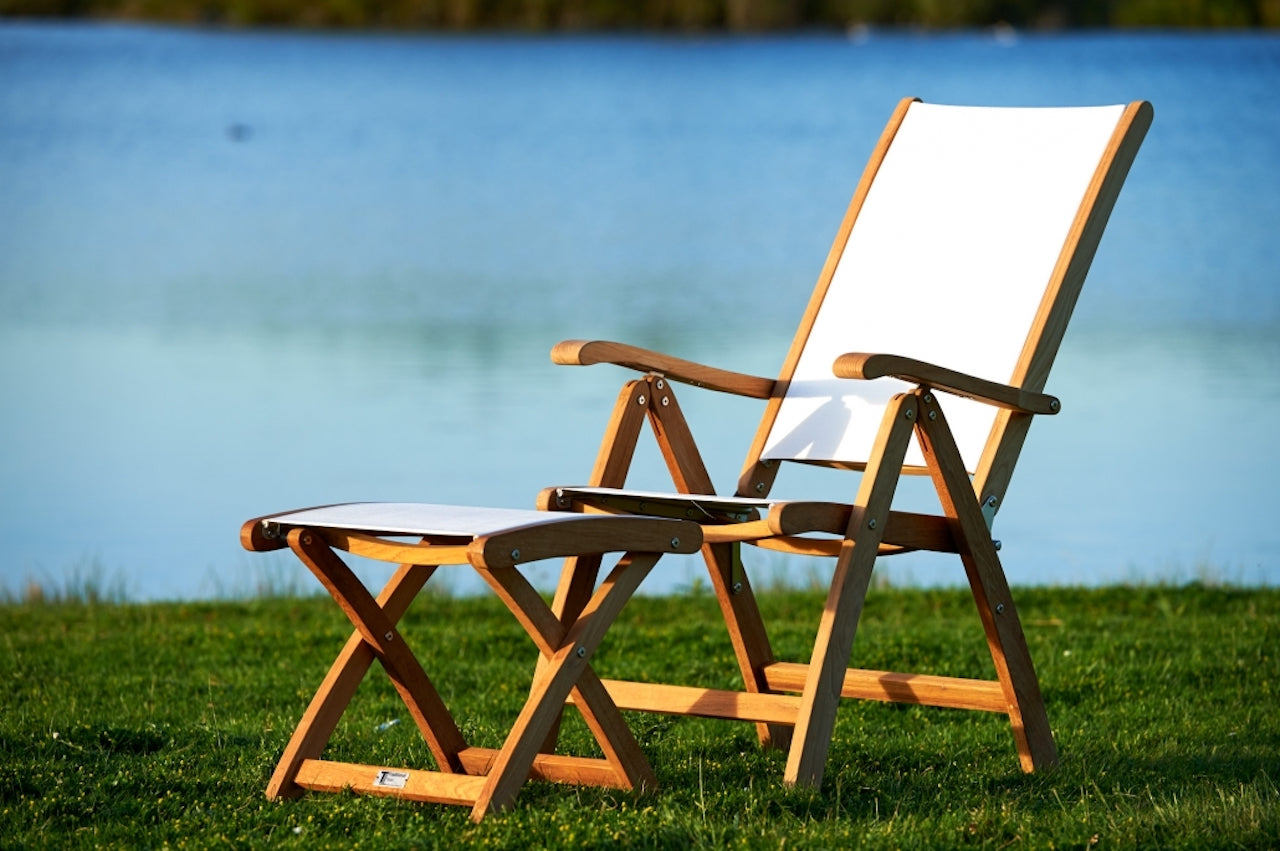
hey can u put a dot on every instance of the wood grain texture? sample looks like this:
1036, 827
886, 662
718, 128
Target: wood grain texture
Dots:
587, 352
381, 549
869, 366
430, 786
556, 768
613, 460
254, 537
999, 615
584, 535
732, 586
378, 631
618, 446
340, 683
550, 635
553, 684
704, 702
917, 689
811, 739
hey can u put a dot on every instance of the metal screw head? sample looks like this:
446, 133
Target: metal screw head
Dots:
997, 545
759, 487
515, 555
660, 384
928, 398
991, 501
933, 415
910, 414
1054, 405
666, 400
737, 587
871, 524
581, 651
675, 543
999, 608
640, 400
389, 635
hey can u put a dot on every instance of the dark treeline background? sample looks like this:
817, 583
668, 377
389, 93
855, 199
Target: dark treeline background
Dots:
674, 15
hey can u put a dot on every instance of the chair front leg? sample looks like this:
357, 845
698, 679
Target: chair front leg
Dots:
821, 697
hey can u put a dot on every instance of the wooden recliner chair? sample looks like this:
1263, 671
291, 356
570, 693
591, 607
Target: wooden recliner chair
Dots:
925, 348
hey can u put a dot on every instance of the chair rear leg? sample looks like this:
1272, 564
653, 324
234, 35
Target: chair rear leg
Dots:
747, 634
1008, 643
737, 602
1031, 731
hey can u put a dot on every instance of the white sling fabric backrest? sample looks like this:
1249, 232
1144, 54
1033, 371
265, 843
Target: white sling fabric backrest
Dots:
947, 262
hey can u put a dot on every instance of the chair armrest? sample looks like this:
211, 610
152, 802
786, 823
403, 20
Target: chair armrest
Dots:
867, 366
587, 352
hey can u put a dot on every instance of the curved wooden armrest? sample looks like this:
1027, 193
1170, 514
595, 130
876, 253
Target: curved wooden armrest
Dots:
860, 365
587, 352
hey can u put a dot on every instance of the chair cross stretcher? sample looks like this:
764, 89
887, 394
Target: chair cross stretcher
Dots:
496, 543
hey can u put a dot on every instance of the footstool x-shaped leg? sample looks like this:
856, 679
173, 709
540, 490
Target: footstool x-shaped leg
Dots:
483, 778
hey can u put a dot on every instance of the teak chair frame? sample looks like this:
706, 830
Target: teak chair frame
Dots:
484, 779
794, 704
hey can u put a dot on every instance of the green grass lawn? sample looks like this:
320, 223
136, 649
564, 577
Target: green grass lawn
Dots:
158, 725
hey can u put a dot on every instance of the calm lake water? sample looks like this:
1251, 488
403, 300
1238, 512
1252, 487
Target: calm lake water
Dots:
246, 272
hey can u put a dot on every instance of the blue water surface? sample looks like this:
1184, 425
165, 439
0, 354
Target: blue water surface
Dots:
243, 272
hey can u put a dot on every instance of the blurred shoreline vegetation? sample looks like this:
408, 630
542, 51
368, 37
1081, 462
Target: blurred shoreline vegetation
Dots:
665, 15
